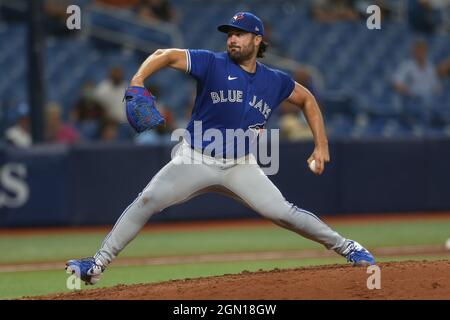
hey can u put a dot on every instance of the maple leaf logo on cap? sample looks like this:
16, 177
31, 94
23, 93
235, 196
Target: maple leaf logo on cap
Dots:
238, 16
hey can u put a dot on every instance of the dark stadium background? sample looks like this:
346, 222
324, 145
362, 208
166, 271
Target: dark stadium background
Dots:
390, 152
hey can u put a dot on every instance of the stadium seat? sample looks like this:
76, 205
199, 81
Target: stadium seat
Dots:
350, 66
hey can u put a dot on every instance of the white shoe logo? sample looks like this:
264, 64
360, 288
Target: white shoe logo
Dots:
232, 78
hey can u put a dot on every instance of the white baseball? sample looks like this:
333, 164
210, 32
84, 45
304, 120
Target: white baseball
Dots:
447, 244
312, 166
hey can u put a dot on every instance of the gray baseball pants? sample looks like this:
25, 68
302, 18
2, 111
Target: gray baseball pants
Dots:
189, 174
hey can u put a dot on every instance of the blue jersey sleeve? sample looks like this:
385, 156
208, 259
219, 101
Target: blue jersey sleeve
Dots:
198, 62
287, 86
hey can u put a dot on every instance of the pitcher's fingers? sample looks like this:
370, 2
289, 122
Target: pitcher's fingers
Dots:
319, 165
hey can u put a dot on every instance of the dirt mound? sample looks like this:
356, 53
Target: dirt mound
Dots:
399, 280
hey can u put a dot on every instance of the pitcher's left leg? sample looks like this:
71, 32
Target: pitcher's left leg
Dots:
249, 183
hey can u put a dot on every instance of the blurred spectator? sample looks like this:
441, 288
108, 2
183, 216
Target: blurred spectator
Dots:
88, 114
334, 10
156, 10
418, 82
56, 131
110, 92
109, 131
424, 15
417, 77
19, 134
293, 126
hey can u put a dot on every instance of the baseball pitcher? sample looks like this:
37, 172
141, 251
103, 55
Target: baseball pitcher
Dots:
234, 91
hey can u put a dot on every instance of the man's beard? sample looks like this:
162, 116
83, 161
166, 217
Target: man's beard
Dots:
240, 56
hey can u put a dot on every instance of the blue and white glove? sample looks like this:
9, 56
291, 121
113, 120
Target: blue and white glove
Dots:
141, 109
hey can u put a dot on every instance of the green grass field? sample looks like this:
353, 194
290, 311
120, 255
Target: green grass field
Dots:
32, 248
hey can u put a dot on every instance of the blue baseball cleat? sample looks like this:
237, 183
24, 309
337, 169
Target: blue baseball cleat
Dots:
358, 255
87, 269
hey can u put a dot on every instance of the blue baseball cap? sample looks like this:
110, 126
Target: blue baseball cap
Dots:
245, 21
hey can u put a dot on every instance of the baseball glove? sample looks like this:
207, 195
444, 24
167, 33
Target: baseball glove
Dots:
141, 109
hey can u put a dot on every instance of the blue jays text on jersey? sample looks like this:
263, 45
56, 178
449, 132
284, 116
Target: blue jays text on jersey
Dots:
228, 97
236, 96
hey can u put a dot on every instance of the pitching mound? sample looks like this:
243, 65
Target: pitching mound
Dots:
399, 280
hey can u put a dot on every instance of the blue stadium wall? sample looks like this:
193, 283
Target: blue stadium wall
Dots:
91, 185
